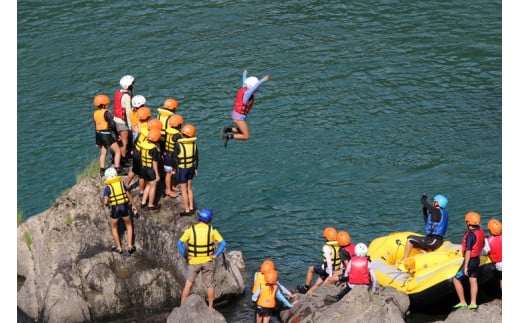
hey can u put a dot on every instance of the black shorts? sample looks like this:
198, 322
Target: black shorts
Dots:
262, 311
429, 242
104, 139
148, 174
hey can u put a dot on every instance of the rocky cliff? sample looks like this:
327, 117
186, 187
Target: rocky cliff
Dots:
68, 273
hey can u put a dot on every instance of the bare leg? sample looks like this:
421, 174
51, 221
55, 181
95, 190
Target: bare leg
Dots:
211, 296
243, 130
117, 153
124, 142
310, 275
190, 195
185, 200
115, 233
473, 290
151, 193
460, 290
129, 230
186, 291
102, 156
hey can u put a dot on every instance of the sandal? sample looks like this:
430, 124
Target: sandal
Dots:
171, 194
472, 307
115, 249
154, 207
131, 250
459, 305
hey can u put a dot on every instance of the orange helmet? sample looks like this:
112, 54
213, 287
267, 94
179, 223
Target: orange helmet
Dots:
101, 99
170, 104
189, 130
495, 227
343, 238
271, 277
144, 113
472, 218
154, 135
175, 120
267, 265
155, 124
330, 233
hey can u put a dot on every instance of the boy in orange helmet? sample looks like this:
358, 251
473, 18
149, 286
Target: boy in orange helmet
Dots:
472, 245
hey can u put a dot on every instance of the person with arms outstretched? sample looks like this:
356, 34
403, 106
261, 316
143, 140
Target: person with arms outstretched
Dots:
244, 101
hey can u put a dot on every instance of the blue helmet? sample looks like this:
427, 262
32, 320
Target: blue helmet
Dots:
441, 200
206, 215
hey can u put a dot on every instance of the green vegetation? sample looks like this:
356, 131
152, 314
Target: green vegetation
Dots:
19, 218
92, 170
28, 239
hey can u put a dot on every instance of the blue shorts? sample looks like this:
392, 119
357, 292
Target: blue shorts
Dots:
237, 116
120, 211
183, 175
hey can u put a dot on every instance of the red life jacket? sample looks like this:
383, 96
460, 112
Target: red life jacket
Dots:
358, 273
479, 244
495, 246
119, 111
240, 107
350, 249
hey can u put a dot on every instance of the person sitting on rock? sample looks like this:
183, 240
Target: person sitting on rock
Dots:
359, 272
331, 262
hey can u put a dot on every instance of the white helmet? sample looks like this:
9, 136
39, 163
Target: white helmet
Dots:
251, 81
126, 81
110, 172
138, 101
361, 250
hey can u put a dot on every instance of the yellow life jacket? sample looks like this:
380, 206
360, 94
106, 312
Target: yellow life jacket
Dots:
187, 154
336, 260
146, 157
163, 116
260, 280
117, 191
267, 298
141, 138
202, 243
170, 142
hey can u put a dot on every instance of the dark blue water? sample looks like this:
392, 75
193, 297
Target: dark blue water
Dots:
369, 105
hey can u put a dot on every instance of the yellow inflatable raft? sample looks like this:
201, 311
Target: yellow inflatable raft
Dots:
425, 276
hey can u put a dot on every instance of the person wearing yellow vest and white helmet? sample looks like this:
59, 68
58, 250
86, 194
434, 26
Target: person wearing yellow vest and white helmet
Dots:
201, 239
118, 197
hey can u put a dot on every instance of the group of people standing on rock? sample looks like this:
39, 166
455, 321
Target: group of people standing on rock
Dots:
152, 148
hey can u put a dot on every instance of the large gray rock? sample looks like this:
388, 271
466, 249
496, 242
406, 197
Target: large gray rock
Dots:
70, 274
359, 305
194, 309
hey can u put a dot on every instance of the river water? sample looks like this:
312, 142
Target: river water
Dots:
369, 105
